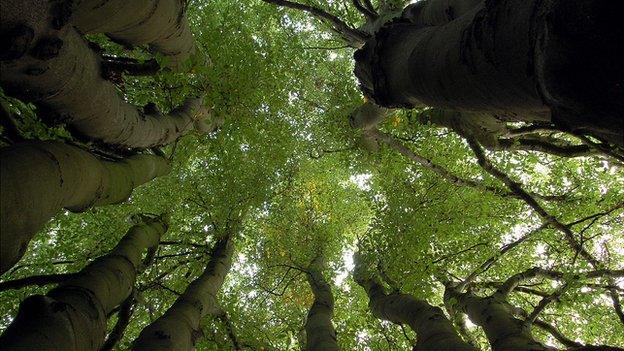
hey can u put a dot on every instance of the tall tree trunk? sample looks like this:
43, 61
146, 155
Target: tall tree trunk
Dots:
320, 332
495, 316
549, 60
56, 69
178, 328
160, 23
434, 331
38, 179
72, 317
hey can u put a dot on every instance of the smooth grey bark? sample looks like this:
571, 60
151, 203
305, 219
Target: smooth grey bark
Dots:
39, 179
179, 327
54, 67
72, 316
434, 331
495, 316
160, 23
320, 332
534, 60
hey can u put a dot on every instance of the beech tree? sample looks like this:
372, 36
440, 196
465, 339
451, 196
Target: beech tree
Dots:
177, 329
73, 315
41, 178
434, 331
350, 223
320, 333
48, 62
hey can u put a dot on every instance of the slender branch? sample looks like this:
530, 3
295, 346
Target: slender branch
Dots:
445, 257
39, 280
602, 147
565, 341
123, 319
598, 214
364, 10
370, 6
322, 152
543, 145
531, 129
489, 262
544, 302
54, 263
517, 189
229, 327
443, 172
202, 246
520, 288
326, 48
355, 37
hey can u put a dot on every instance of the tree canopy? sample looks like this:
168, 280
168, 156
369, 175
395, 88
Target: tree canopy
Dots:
422, 206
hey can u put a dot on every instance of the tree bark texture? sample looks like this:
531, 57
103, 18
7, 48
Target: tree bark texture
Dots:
437, 12
434, 331
368, 115
178, 329
160, 23
38, 179
72, 317
320, 332
535, 60
503, 331
55, 68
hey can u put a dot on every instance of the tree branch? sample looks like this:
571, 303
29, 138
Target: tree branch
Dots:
39, 280
541, 144
123, 319
229, 327
544, 302
547, 217
565, 341
504, 249
354, 37
443, 172
365, 10
602, 147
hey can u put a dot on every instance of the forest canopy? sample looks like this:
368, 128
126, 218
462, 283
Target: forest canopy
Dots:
310, 175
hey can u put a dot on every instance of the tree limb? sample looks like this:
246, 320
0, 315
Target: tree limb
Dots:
123, 319
544, 302
363, 9
354, 37
547, 217
39, 280
444, 173
541, 144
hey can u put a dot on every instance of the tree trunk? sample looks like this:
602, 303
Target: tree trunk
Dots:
178, 328
437, 12
72, 317
434, 331
320, 332
56, 69
160, 23
38, 179
494, 315
534, 60
368, 115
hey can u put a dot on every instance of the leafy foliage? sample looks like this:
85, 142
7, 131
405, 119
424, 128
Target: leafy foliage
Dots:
289, 173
